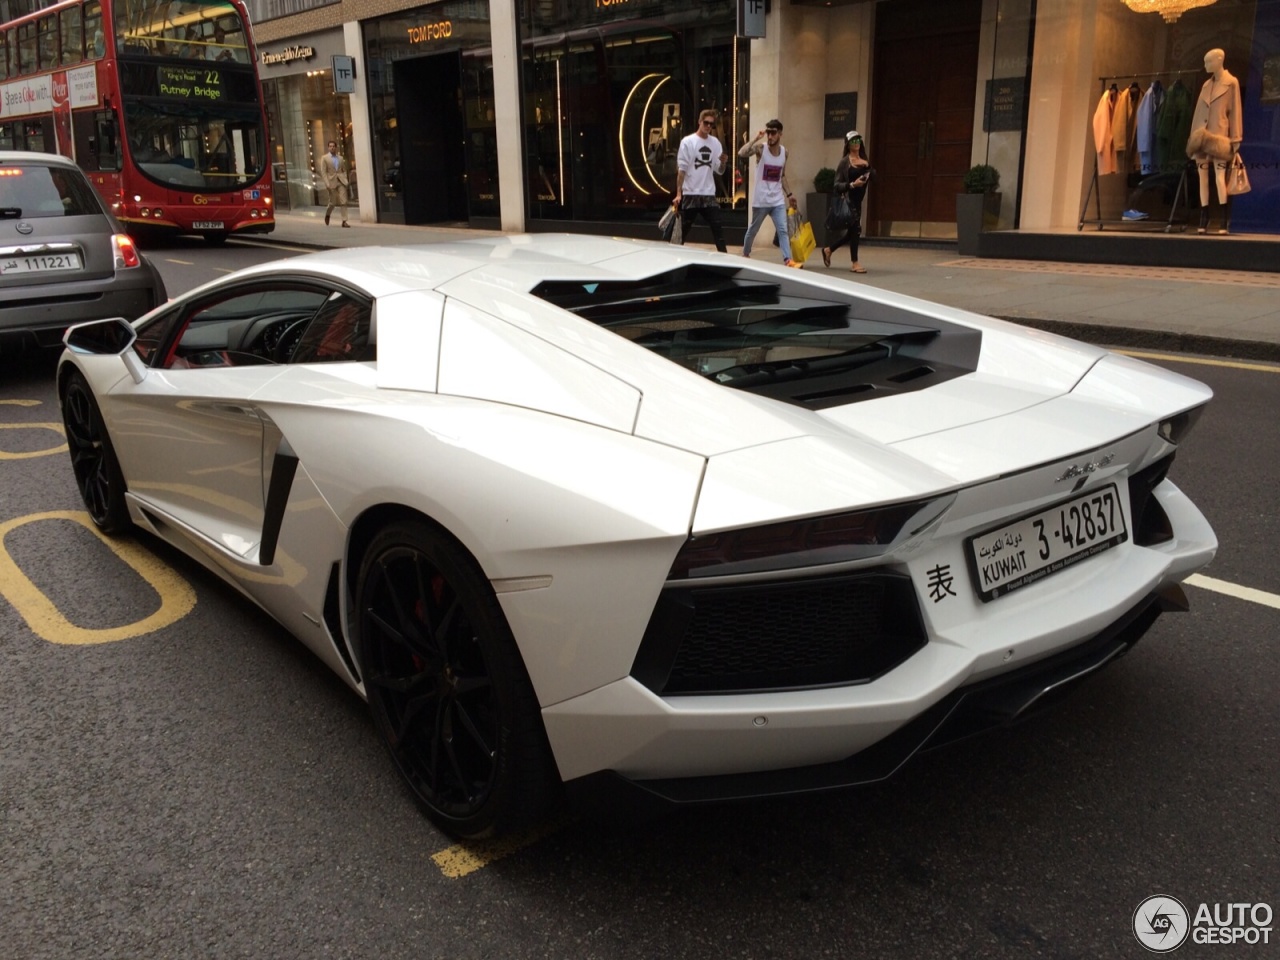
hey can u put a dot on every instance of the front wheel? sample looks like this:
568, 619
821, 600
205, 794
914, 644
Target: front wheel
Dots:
447, 688
93, 460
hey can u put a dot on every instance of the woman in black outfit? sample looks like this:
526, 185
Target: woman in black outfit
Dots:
852, 175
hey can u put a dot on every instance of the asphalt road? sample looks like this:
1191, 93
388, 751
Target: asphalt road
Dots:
197, 784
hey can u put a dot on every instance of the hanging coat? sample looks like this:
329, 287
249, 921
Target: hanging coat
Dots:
1173, 126
1148, 110
1103, 142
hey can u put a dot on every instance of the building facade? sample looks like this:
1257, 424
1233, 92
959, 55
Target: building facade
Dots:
540, 114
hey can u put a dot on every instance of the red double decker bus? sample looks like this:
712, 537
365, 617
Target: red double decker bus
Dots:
157, 101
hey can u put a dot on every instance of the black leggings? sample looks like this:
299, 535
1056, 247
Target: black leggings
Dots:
851, 238
711, 214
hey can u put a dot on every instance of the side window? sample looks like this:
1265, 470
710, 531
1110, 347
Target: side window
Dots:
49, 53
153, 334
27, 48
72, 35
339, 331
95, 42
243, 327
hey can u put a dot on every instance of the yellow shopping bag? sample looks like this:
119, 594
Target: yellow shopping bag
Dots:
802, 242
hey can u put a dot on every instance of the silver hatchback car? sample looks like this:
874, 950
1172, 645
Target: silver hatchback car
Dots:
64, 258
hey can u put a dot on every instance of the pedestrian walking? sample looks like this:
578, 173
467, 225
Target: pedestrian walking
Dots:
333, 170
699, 159
852, 175
770, 192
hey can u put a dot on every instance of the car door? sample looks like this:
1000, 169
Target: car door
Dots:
189, 435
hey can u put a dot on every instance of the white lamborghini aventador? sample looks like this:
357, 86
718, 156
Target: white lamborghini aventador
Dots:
599, 515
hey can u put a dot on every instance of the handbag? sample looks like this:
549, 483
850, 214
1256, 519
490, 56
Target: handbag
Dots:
1238, 178
839, 213
667, 222
802, 242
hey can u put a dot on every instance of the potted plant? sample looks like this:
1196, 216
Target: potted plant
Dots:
815, 204
978, 208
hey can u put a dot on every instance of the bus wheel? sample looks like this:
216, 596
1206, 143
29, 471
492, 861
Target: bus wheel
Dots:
216, 239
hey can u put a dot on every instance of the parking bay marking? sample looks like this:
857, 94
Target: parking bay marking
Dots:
28, 454
465, 858
1235, 590
177, 598
1203, 361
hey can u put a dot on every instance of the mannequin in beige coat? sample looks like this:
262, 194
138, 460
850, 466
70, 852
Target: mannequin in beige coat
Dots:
1216, 133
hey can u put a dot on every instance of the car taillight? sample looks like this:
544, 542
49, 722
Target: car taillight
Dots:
798, 543
126, 251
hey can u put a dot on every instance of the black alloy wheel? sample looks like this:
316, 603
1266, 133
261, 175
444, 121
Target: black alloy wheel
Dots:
447, 688
93, 459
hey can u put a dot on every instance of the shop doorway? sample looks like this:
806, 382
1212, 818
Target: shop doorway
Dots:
924, 83
432, 173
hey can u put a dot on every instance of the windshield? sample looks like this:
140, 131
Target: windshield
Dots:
200, 30
195, 146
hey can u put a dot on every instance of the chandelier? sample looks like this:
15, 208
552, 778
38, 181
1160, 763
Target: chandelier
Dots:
1171, 10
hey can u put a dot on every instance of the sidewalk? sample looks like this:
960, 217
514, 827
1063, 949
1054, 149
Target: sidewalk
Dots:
1221, 312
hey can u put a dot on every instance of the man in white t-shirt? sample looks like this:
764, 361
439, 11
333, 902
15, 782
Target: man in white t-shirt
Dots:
698, 161
770, 191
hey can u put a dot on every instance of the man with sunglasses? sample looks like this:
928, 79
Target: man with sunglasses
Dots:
699, 159
770, 192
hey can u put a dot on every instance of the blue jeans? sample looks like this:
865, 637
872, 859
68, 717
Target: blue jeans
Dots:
779, 215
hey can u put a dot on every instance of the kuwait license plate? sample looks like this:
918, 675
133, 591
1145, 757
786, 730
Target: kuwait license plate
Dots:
207, 225
39, 263
1016, 554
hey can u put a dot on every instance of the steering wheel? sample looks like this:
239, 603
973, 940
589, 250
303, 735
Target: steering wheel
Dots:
288, 342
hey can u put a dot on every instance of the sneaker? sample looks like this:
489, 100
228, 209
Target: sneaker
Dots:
1134, 215
793, 263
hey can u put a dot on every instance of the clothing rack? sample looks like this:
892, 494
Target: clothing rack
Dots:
1095, 191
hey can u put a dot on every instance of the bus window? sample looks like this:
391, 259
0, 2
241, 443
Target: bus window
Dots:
72, 36
95, 40
27, 48
48, 31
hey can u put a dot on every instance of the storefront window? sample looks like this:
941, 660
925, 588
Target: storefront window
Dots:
303, 115
1149, 75
435, 156
608, 93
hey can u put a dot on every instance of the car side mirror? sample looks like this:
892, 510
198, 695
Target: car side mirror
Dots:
105, 338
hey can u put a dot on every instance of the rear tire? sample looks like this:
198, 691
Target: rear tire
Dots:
93, 459
447, 688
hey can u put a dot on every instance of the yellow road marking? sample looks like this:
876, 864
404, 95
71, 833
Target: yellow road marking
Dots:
28, 454
176, 596
1234, 590
185, 263
465, 858
21, 403
1175, 358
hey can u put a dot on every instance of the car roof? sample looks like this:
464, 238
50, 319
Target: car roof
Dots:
32, 156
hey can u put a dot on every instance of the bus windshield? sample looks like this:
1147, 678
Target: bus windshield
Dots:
194, 146
183, 29
191, 110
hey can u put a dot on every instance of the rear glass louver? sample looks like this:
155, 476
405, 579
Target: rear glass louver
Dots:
774, 336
